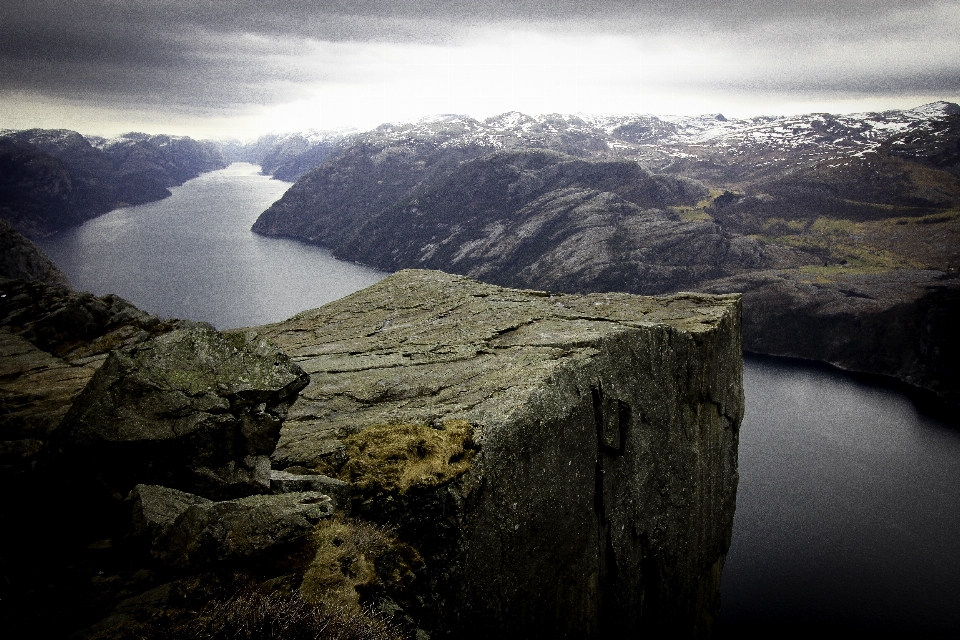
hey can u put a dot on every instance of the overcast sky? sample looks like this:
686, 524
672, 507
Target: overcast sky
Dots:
241, 68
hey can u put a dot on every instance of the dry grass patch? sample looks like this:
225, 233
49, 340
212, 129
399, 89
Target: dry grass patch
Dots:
396, 457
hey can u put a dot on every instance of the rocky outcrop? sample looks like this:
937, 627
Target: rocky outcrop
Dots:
565, 464
192, 409
515, 463
97, 395
20, 259
52, 340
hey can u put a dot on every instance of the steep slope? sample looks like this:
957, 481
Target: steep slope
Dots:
289, 156
517, 218
20, 259
38, 195
53, 179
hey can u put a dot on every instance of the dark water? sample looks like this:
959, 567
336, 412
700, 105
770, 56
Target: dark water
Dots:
193, 255
848, 511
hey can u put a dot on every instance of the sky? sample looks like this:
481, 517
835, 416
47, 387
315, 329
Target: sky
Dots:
218, 68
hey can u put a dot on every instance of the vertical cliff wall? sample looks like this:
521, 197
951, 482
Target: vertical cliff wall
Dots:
566, 465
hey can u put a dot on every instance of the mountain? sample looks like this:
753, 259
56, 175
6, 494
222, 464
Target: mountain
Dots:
843, 231
53, 179
285, 156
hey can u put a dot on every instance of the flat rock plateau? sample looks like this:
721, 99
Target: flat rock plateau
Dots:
428, 457
566, 464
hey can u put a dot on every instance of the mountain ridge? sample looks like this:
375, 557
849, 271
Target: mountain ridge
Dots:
794, 212
57, 178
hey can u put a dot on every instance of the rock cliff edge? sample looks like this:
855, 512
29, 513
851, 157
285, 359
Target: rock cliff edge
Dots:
566, 464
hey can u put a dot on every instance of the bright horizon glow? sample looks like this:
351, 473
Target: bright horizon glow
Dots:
364, 84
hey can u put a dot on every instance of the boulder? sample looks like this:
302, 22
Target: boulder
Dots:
286, 482
565, 464
155, 509
52, 340
206, 533
192, 409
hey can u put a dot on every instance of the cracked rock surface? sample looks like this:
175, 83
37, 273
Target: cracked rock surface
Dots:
582, 476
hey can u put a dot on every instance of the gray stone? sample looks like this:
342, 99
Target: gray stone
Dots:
155, 509
192, 409
207, 532
51, 342
284, 482
566, 464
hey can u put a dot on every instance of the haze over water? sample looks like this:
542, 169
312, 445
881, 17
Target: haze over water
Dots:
848, 511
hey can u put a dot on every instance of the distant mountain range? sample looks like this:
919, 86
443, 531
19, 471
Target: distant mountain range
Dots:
53, 179
843, 231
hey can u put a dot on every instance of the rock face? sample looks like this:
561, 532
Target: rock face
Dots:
20, 259
566, 464
191, 409
52, 340
900, 323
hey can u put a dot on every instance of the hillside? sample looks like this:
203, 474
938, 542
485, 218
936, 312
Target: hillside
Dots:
796, 212
53, 179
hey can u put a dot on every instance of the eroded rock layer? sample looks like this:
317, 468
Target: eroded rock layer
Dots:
566, 464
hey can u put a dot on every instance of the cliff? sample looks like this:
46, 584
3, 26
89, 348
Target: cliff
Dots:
20, 259
464, 460
842, 232
566, 465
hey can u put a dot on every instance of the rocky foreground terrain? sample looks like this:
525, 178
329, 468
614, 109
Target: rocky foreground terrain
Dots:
429, 457
843, 232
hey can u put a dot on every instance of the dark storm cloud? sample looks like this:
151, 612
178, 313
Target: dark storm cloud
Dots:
208, 53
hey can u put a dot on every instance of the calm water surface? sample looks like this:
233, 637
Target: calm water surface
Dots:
193, 255
848, 509
849, 503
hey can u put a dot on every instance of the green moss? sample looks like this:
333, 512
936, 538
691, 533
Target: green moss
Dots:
932, 218
396, 457
693, 214
839, 242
